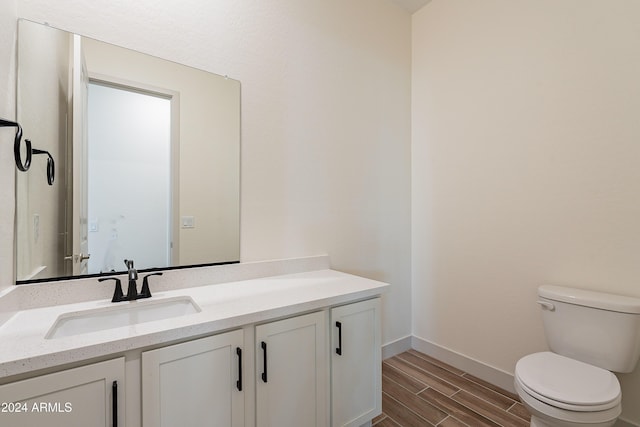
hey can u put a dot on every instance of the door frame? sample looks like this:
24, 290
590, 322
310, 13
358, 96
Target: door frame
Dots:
174, 185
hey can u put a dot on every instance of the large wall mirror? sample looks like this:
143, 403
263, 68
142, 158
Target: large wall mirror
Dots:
147, 160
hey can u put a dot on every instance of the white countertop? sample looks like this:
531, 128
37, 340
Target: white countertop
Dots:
224, 306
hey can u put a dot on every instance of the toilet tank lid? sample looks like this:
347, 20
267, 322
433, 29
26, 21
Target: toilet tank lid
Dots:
605, 301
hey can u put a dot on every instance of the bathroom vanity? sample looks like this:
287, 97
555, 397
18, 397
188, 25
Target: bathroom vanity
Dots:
284, 350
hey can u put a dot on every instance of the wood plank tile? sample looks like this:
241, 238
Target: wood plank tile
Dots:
406, 381
488, 410
416, 404
400, 413
423, 376
495, 388
422, 391
459, 411
452, 422
388, 422
378, 418
498, 399
519, 410
436, 362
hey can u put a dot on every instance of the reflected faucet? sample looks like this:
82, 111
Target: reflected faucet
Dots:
132, 290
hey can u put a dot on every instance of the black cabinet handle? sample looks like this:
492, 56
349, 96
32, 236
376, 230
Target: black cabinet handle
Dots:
339, 348
114, 403
264, 355
239, 382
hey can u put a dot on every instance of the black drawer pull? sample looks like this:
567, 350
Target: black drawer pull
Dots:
339, 348
239, 382
114, 403
264, 355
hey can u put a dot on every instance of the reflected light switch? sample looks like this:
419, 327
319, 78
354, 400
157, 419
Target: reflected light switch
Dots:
188, 222
93, 225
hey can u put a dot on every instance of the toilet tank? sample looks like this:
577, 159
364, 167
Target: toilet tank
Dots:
597, 328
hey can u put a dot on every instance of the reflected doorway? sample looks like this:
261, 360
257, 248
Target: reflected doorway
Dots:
129, 177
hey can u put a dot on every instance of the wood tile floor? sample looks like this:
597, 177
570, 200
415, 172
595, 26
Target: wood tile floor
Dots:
418, 390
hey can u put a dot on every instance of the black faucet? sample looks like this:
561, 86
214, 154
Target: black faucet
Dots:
132, 290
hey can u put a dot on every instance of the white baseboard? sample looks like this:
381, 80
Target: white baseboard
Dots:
474, 367
396, 347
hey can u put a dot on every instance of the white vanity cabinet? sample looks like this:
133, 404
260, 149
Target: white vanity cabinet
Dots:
292, 372
356, 390
194, 384
302, 364
88, 396
303, 361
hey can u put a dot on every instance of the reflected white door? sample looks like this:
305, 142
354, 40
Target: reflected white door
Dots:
129, 177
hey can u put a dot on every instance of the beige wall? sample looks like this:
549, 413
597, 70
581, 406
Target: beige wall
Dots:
525, 155
7, 110
325, 119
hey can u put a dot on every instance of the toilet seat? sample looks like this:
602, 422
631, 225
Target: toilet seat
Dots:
567, 383
552, 415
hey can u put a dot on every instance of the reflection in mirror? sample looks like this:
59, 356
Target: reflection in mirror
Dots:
147, 158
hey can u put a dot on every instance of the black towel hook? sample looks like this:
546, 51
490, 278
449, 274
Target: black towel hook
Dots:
51, 166
24, 166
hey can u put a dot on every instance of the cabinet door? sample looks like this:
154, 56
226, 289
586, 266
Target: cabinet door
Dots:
356, 390
89, 396
197, 383
292, 367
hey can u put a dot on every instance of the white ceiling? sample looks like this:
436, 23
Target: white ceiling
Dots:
411, 5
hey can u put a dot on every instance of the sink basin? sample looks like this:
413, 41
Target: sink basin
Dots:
123, 314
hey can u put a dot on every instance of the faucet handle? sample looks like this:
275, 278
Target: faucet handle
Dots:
117, 292
146, 292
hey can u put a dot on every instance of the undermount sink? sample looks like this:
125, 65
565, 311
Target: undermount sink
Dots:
124, 314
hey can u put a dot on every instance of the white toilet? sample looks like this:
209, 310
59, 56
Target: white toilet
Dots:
590, 334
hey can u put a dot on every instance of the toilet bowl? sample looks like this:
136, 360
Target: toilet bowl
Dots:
562, 392
590, 335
